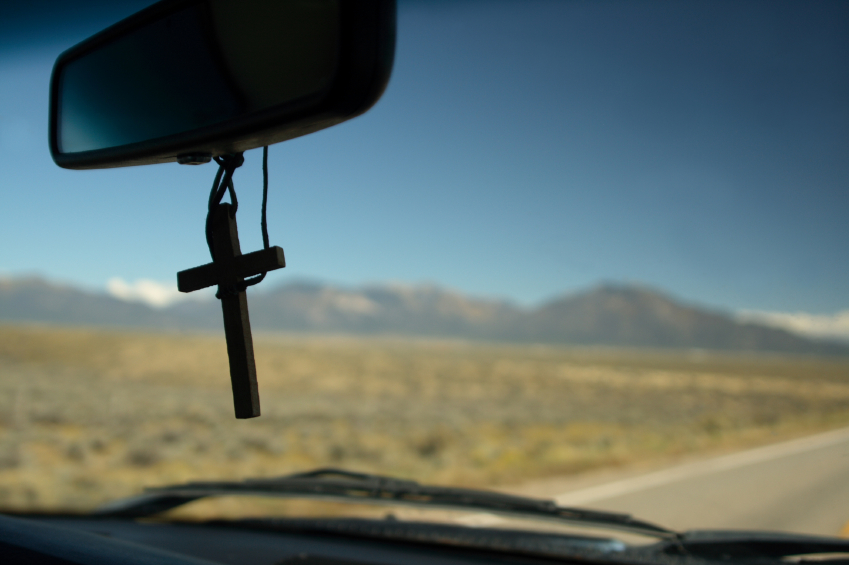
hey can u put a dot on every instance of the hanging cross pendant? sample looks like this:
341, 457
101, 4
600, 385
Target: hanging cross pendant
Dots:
229, 269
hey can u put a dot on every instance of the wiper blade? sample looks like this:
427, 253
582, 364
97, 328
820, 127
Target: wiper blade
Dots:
337, 484
741, 544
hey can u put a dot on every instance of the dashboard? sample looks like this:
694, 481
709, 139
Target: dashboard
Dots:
63, 540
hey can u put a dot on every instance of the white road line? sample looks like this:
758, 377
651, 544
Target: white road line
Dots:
681, 472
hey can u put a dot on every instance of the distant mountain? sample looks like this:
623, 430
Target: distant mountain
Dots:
36, 300
613, 315
641, 317
420, 310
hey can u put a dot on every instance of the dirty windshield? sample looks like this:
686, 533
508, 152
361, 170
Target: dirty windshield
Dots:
592, 252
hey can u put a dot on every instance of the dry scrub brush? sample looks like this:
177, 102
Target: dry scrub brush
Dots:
87, 415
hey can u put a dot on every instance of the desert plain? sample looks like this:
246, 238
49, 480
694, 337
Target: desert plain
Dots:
90, 415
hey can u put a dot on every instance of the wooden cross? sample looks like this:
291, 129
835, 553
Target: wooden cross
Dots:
228, 270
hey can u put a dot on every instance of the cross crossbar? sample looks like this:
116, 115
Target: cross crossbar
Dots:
228, 269
247, 265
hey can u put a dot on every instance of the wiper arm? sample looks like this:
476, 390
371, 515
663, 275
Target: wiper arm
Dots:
336, 484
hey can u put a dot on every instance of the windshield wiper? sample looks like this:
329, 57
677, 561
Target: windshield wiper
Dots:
724, 545
336, 484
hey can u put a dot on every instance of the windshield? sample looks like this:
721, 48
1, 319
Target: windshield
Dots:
592, 252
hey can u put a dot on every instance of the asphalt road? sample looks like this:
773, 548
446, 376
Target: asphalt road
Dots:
800, 486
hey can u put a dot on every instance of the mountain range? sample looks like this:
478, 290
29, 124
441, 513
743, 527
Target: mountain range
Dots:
607, 315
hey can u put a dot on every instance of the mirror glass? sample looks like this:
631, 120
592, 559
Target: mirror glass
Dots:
201, 65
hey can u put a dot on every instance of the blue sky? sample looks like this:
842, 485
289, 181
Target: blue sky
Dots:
522, 149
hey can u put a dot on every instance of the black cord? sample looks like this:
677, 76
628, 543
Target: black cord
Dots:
208, 227
262, 223
227, 165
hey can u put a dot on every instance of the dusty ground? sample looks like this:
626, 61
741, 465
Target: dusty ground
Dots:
87, 416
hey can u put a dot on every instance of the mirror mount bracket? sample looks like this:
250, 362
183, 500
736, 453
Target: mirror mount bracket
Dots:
194, 158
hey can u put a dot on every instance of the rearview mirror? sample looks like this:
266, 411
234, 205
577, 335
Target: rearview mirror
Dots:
184, 80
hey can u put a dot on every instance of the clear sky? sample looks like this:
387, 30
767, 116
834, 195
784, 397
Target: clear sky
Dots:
522, 149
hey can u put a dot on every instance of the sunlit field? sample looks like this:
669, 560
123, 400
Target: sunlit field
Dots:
91, 415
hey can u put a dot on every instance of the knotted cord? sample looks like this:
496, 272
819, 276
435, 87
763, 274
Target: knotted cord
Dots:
227, 165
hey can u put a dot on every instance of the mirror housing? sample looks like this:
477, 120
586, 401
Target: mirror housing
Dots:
185, 80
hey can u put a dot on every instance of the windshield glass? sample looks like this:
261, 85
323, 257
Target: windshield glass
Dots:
591, 252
